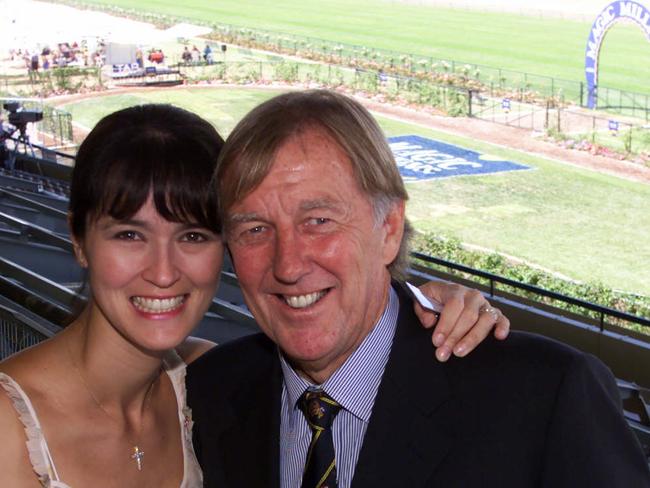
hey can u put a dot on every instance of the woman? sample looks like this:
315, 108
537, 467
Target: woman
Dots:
109, 389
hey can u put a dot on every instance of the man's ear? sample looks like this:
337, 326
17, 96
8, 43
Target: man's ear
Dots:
77, 246
393, 226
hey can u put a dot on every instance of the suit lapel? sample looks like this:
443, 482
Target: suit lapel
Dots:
410, 430
249, 444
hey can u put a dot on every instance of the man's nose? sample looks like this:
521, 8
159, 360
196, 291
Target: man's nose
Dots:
289, 263
162, 269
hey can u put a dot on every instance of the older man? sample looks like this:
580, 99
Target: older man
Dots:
314, 214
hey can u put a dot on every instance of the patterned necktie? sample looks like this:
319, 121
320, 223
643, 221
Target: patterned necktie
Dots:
320, 467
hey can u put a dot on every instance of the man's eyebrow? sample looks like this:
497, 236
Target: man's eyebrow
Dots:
305, 205
242, 218
319, 203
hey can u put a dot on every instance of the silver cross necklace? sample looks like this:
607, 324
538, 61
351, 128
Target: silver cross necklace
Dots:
138, 454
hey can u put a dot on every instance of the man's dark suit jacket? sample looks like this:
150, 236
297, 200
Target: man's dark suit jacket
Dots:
527, 412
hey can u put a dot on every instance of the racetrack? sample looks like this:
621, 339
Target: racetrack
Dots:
577, 214
574, 9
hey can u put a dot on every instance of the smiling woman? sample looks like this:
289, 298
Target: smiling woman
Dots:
109, 390
141, 210
152, 279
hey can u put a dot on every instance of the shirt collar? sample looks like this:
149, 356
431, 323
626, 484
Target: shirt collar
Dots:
355, 383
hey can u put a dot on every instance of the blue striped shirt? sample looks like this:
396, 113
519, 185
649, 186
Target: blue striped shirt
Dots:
354, 385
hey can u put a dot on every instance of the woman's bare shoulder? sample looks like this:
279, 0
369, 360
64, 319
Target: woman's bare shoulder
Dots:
193, 347
31, 362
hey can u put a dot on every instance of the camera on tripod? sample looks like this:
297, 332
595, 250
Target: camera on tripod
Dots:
19, 117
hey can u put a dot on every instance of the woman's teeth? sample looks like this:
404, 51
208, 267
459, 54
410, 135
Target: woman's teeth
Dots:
302, 301
157, 305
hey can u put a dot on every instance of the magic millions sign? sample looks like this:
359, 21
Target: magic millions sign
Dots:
614, 12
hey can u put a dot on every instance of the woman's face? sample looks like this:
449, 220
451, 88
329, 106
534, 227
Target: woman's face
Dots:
151, 279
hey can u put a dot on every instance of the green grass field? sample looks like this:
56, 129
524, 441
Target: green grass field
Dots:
545, 46
576, 222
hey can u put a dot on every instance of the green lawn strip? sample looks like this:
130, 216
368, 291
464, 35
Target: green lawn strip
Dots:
222, 107
545, 46
586, 225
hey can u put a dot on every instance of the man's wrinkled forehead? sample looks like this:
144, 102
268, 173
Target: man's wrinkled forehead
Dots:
270, 160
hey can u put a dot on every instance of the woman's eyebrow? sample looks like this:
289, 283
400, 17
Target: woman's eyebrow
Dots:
111, 222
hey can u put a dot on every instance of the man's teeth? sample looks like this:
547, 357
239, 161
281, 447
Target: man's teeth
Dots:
157, 305
302, 301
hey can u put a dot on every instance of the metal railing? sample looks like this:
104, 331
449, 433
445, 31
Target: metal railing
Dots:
33, 204
494, 280
38, 233
18, 331
56, 123
572, 127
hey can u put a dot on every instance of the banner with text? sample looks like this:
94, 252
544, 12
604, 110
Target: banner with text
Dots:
612, 13
419, 158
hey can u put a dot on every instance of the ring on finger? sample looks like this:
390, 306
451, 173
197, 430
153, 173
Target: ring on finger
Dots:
488, 309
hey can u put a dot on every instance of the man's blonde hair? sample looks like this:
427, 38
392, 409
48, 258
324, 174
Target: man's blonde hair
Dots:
249, 151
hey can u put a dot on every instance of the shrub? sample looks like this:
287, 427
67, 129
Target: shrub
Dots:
451, 249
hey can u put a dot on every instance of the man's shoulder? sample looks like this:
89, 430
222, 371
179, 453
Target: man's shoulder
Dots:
525, 348
532, 359
529, 346
247, 353
229, 369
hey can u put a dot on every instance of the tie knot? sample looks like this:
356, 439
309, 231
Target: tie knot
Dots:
319, 408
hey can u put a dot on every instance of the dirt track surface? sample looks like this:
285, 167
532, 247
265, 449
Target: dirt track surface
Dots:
514, 138
494, 133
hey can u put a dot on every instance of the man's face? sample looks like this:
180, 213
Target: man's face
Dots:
311, 260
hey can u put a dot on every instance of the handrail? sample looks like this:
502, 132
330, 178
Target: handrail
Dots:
30, 322
36, 303
232, 312
43, 148
38, 282
41, 234
493, 278
41, 207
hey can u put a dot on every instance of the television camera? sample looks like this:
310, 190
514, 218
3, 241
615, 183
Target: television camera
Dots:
18, 119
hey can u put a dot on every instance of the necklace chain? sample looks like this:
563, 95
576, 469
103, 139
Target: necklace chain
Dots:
138, 454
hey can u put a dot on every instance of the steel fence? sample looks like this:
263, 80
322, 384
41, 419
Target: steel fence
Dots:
56, 124
571, 126
16, 333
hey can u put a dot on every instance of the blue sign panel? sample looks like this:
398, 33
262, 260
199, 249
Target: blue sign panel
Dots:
614, 12
613, 125
419, 159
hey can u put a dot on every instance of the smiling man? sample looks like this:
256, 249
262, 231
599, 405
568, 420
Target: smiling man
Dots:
316, 274
313, 206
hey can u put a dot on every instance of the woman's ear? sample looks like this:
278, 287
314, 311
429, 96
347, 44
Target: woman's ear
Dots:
77, 245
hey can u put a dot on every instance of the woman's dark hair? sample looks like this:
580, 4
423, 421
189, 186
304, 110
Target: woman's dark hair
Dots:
147, 149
